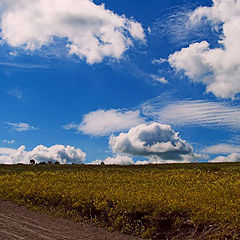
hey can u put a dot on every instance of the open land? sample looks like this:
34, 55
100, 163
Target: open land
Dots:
177, 201
19, 223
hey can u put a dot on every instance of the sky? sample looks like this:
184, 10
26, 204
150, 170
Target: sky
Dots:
124, 82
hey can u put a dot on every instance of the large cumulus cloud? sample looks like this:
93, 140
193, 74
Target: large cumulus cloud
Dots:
156, 141
60, 153
218, 67
91, 31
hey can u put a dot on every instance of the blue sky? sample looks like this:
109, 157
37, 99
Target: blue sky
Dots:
73, 73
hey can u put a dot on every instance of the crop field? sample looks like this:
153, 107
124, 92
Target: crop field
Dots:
192, 201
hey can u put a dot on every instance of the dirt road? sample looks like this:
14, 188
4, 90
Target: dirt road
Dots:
19, 223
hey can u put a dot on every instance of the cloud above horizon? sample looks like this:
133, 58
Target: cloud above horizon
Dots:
156, 141
21, 127
157, 78
8, 141
233, 157
222, 149
91, 31
116, 160
17, 93
217, 67
192, 112
41, 153
105, 122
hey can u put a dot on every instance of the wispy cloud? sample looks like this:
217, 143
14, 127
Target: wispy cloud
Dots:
70, 126
8, 141
176, 26
159, 61
193, 112
21, 65
17, 93
222, 149
158, 78
21, 127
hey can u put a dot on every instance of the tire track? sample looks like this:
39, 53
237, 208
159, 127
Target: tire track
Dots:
19, 223
8, 234
26, 226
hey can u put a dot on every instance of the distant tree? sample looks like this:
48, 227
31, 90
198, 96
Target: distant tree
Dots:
49, 162
32, 162
102, 163
57, 162
42, 163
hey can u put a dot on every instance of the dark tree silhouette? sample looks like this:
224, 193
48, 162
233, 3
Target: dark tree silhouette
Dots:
32, 162
42, 163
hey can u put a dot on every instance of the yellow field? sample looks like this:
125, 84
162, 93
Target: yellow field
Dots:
149, 201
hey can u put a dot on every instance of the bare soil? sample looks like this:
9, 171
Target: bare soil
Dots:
19, 223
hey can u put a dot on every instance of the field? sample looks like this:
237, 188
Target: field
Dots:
191, 201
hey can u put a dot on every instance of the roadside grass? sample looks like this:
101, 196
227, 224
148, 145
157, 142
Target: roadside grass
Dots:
175, 201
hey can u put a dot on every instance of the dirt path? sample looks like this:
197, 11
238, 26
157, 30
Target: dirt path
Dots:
19, 223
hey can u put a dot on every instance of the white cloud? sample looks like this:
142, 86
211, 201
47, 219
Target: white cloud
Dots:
142, 163
222, 149
188, 158
159, 61
149, 30
17, 93
70, 126
158, 79
193, 112
8, 141
40, 153
21, 127
233, 157
218, 68
156, 141
174, 26
14, 53
22, 65
185, 159
91, 31
116, 160
101, 122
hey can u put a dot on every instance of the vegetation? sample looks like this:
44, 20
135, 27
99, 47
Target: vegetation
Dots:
153, 201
